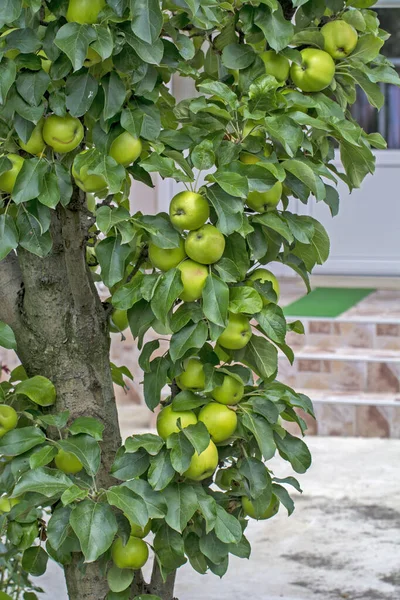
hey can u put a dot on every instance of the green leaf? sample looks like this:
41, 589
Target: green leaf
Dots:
119, 579
10, 10
34, 561
58, 527
227, 527
129, 465
81, 89
147, 19
32, 86
262, 432
232, 183
149, 53
112, 257
277, 30
74, 39
18, 441
72, 494
88, 425
7, 337
128, 295
295, 451
29, 180
256, 474
44, 481
86, 449
155, 503
229, 210
367, 48
161, 471
104, 44
202, 155
198, 436
154, 381
95, 526
284, 497
150, 442
56, 420
305, 173
261, 356
190, 337
168, 288
215, 300
187, 400
244, 299
285, 131
42, 457
8, 72
215, 550
317, 251
168, 545
38, 389
238, 56
129, 503
182, 504
181, 451
114, 94
272, 322
50, 192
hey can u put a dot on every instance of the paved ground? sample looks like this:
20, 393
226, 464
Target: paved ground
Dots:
342, 542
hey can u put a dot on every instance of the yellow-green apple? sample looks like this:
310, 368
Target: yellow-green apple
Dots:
140, 532
265, 201
193, 276
8, 179
193, 377
230, 392
84, 11
88, 183
316, 71
167, 421
188, 210
205, 245
249, 159
220, 421
237, 333
204, 464
35, 144
340, 38
269, 512
125, 149
68, 462
8, 419
132, 555
118, 321
6, 503
276, 65
264, 275
92, 58
166, 258
63, 134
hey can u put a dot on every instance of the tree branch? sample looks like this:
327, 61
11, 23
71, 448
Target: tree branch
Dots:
10, 291
159, 587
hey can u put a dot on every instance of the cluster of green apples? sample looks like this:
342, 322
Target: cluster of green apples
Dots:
135, 552
317, 69
8, 419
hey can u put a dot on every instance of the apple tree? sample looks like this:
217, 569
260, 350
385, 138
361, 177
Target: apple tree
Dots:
85, 107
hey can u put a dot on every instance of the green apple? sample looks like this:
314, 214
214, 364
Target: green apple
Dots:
36, 144
193, 377
63, 134
248, 159
68, 462
230, 392
88, 183
265, 201
264, 275
188, 210
167, 421
270, 511
340, 38
92, 58
204, 464
140, 532
316, 71
8, 419
46, 63
125, 149
220, 421
119, 321
6, 503
276, 65
237, 333
166, 258
132, 555
84, 11
8, 179
205, 245
193, 276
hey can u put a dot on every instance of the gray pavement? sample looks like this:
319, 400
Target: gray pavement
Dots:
342, 542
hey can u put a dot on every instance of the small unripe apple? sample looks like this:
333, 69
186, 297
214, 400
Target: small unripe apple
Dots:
88, 183
84, 11
119, 321
264, 275
6, 504
125, 149
204, 464
220, 421
193, 276
63, 134
265, 201
68, 462
132, 555
8, 419
193, 377
237, 334
340, 38
36, 144
276, 65
166, 258
8, 179
92, 58
230, 392
205, 245
140, 532
269, 512
189, 210
167, 421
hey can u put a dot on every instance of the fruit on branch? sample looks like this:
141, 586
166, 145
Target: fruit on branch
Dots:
167, 421
63, 134
193, 276
8, 178
132, 555
230, 392
204, 464
193, 377
125, 149
68, 462
270, 511
84, 11
166, 258
316, 71
139, 532
36, 144
8, 419
118, 321
205, 245
6, 503
188, 210
88, 183
92, 58
248, 159
276, 65
340, 38
220, 421
265, 201
264, 275
237, 333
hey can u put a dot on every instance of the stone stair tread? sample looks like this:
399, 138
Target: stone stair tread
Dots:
345, 397
347, 354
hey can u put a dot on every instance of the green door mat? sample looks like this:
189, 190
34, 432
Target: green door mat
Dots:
326, 302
